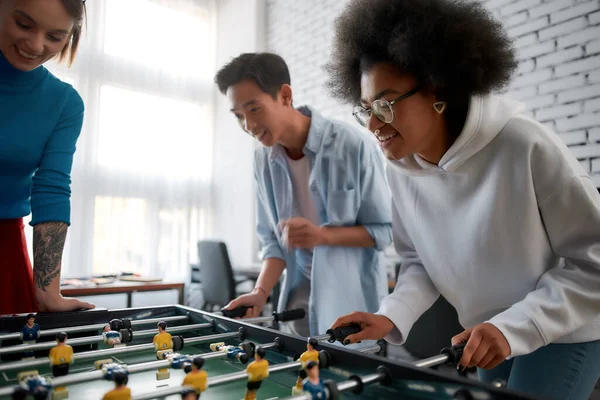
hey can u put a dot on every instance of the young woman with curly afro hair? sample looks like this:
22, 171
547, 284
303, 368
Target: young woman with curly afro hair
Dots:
490, 209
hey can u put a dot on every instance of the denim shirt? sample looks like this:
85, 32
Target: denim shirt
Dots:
349, 188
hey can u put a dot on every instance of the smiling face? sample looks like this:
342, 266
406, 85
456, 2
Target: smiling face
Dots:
33, 31
258, 113
416, 126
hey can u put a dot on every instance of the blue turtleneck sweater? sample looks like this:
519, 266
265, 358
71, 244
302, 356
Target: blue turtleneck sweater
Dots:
40, 121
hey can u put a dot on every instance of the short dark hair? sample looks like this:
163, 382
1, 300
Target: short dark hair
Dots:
198, 362
313, 342
260, 352
77, 10
310, 365
453, 48
61, 336
162, 325
269, 71
188, 391
29, 316
120, 378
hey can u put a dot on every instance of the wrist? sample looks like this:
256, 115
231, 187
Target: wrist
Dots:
325, 235
262, 292
45, 295
45, 299
386, 323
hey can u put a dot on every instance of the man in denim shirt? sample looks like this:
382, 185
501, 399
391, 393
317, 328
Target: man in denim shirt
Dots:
323, 205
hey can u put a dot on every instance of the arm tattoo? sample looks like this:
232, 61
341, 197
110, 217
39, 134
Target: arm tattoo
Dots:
48, 243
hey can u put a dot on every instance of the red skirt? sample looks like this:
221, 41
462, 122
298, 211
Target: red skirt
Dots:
16, 281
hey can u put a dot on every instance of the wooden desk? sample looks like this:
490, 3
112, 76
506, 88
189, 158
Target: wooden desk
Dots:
123, 287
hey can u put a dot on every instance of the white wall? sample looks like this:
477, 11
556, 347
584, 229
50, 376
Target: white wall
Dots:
558, 44
302, 32
240, 29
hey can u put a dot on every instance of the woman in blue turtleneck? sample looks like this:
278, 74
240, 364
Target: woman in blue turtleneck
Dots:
40, 121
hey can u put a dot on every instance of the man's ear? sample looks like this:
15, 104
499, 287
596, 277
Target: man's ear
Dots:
286, 94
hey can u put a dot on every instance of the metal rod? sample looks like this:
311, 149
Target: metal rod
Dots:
83, 328
98, 374
367, 379
258, 320
97, 354
371, 350
216, 381
48, 345
342, 386
320, 338
96, 339
219, 380
432, 361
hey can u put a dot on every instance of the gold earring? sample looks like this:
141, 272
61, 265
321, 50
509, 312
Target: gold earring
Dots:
439, 106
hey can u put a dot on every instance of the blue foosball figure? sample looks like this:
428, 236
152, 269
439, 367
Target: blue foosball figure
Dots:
233, 352
36, 386
30, 332
313, 384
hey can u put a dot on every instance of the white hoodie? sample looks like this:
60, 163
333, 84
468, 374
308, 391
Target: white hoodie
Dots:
506, 228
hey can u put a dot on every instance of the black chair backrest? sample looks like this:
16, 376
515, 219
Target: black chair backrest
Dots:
216, 273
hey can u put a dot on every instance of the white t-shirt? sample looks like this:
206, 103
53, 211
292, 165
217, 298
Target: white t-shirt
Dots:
303, 206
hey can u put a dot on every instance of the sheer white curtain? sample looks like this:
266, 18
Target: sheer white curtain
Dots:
143, 167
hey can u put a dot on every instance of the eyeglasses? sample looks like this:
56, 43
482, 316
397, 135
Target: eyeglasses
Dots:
382, 109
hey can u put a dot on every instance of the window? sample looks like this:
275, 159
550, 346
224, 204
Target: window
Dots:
143, 167
145, 133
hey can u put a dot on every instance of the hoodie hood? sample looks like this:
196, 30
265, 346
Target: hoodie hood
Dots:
486, 117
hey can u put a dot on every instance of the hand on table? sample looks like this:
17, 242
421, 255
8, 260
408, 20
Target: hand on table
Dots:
47, 302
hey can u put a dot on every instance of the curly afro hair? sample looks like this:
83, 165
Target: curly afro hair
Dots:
454, 48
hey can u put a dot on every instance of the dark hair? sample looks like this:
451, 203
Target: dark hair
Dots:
186, 392
269, 71
310, 365
453, 48
120, 378
313, 342
29, 316
198, 362
77, 10
162, 325
61, 336
260, 352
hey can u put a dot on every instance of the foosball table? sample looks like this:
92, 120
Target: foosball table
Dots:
176, 352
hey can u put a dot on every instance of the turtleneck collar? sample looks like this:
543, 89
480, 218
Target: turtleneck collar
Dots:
11, 77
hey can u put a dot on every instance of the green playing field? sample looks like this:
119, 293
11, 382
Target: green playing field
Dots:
278, 385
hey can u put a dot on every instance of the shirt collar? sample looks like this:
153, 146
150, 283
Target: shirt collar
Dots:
315, 134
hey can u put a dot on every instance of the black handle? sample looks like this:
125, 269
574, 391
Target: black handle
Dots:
454, 353
289, 315
235, 313
341, 332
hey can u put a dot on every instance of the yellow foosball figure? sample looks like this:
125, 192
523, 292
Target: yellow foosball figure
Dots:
121, 391
257, 370
163, 343
196, 377
311, 354
61, 356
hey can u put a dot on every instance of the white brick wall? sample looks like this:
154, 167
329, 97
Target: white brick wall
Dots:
558, 47
559, 72
301, 32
